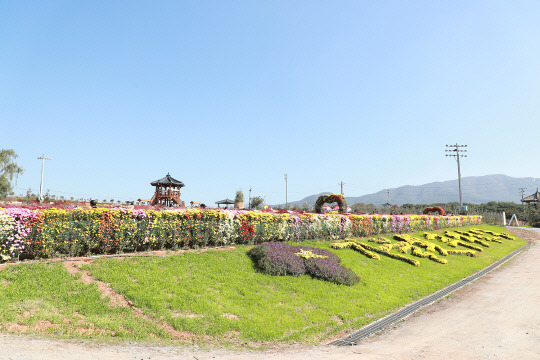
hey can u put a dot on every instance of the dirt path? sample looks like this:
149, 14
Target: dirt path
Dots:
496, 317
119, 300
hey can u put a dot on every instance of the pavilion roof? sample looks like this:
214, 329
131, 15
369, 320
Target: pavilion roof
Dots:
226, 202
534, 197
168, 180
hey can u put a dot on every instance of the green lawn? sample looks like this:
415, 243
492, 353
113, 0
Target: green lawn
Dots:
45, 298
222, 298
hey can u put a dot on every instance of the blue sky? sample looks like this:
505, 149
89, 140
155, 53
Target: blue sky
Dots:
224, 95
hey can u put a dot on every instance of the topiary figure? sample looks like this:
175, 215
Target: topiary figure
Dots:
437, 209
333, 198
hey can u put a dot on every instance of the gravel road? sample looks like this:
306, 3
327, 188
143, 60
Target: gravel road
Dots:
496, 317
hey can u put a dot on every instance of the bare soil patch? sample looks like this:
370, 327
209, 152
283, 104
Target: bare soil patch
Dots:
116, 299
105, 289
231, 316
525, 234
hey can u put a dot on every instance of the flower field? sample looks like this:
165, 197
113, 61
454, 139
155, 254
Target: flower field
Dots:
416, 246
233, 298
45, 233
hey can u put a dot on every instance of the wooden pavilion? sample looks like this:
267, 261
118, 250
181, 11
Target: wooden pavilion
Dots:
167, 192
532, 199
225, 202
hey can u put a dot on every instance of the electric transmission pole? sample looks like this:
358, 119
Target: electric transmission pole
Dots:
341, 184
42, 158
250, 196
522, 191
457, 153
286, 201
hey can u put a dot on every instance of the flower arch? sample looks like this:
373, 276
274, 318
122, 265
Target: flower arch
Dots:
434, 209
333, 198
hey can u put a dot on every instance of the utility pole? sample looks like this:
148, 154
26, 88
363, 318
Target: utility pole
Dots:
42, 158
522, 191
457, 153
341, 184
250, 196
286, 201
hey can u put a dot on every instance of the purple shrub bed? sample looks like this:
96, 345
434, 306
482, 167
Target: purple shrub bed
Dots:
325, 269
281, 259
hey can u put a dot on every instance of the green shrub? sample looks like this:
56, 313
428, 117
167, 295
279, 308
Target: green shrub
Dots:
532, 215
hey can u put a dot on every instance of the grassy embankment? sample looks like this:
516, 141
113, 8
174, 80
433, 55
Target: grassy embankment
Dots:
220, 297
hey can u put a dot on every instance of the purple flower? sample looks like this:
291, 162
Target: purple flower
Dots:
281, 259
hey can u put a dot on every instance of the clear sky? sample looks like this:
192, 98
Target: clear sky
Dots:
227, 94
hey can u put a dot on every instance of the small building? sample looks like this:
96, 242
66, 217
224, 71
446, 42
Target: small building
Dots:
167, 192
532, 199
197, 204
225, 202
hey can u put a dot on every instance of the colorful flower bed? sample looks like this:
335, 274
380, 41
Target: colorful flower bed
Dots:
15, 226
424, 249
42, 233
282, 259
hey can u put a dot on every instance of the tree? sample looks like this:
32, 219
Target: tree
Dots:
47, 196
532, 214
364, 208
256, 202
8, 169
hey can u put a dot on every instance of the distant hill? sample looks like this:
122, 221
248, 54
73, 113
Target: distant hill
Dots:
476, 190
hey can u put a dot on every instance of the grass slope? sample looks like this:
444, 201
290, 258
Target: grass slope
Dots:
221, 297
46, 299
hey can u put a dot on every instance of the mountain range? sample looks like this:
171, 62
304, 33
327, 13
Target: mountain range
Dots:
475, 189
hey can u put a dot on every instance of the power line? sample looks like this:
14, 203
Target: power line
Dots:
473, 185
286, 202
81, 195
477, 186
